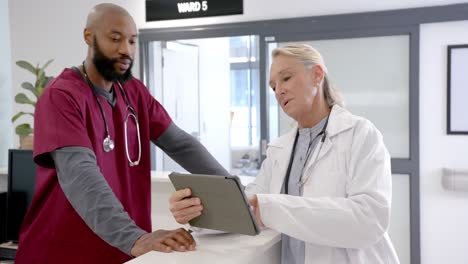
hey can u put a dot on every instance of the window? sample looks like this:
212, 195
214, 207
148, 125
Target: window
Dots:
210, 88
244, 66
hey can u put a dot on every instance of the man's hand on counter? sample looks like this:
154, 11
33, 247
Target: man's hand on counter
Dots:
164, 241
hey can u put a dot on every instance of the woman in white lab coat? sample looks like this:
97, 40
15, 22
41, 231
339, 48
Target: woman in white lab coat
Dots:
325, 185
341, 208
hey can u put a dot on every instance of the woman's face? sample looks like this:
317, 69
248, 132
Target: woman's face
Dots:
293, 86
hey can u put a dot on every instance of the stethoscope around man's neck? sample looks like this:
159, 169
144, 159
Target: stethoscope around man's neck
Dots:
108, 144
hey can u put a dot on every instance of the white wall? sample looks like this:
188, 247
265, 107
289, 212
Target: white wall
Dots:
49, 29
6, 97
41, 30
444, 214
274, 9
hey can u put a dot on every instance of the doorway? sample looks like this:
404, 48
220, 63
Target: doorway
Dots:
210, 88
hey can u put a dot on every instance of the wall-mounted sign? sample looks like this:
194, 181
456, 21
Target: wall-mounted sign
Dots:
177, 9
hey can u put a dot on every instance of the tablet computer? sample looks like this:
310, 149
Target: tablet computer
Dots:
225, 206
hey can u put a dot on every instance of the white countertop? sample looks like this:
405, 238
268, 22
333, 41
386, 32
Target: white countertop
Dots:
221, 249
163, 176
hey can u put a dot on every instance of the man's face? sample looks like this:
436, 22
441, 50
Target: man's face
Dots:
108, 67
114, 46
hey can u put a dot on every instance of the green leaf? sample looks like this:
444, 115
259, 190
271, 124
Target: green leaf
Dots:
37, 84
19, 114
36, 88
47, 64
28, 86
27, 66
23, 130
21, 98
40, 75
43, 84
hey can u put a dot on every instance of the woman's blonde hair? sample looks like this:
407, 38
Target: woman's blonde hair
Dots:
310, 57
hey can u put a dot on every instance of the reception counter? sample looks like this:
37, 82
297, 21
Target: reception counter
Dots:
211, 248
264, 248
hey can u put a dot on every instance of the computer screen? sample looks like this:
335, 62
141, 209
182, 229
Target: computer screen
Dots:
21, 182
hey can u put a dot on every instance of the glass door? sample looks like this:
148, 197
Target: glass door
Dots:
210, 88
180, 78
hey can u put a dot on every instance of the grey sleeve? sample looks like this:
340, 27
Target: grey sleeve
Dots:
93, 199
188, 152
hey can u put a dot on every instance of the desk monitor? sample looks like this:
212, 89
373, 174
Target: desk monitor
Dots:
225, 206
21, 182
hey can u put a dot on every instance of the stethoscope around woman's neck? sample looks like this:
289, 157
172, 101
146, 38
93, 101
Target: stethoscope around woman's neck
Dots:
323, 134
108, 144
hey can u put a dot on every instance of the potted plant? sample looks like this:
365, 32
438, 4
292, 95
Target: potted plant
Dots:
25, 130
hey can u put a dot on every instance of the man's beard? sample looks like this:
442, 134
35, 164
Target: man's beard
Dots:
106, 66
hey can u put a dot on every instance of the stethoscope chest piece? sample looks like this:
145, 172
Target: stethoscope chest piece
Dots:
108, 144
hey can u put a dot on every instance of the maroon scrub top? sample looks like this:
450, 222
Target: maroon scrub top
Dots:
68, 114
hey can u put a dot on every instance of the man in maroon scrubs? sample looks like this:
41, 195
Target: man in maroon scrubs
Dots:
93, 125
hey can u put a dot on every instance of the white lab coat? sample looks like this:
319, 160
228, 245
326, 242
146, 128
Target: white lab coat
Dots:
344, 213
